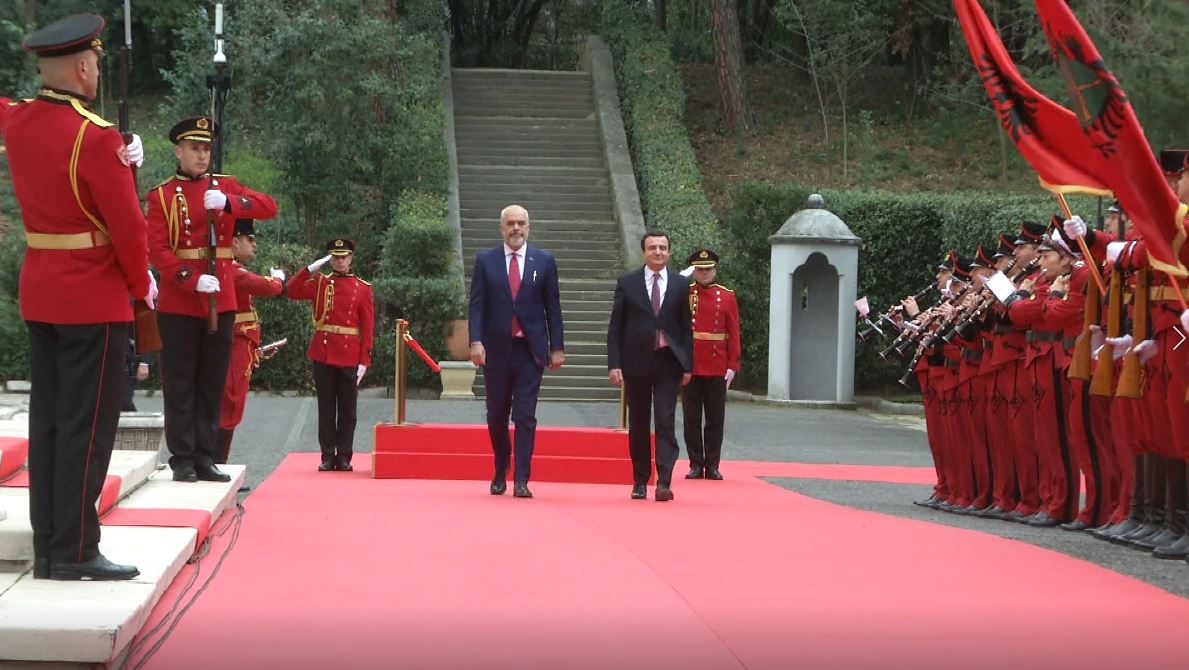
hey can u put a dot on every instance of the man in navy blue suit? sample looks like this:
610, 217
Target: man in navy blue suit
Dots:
649, 345
516, 330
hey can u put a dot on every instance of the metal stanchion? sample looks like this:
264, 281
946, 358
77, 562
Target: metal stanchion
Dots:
402, 331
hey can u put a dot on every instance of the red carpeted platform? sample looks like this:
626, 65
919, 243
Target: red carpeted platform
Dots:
341, 570
13, 452
463, 451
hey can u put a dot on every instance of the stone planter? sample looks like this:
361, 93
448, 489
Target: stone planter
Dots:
458, 378
141, 431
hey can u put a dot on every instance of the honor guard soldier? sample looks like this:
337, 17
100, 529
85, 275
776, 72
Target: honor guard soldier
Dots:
85, 262
245, 333
716, 362
340, 347
194, 360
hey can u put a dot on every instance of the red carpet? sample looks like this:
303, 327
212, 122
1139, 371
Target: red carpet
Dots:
336, 570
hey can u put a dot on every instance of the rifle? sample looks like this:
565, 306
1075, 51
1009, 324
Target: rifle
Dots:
219, 84
269, 350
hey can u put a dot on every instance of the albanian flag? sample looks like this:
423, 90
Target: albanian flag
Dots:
1111, 129
1046, 134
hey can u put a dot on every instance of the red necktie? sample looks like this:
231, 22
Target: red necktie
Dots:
656, 310
514, 286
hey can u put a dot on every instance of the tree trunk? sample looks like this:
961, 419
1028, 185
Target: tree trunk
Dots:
662, 14
728, 64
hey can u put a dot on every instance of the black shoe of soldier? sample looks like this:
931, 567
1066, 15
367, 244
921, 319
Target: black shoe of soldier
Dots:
327, 464
96, 569
210, 473
185, 473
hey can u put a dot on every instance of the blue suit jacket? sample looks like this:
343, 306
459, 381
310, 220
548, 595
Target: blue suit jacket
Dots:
537, 305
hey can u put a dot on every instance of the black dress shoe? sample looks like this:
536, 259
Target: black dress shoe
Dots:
1076, 524
210, 473
639, 492
244, 489
994, 512
1042, 520
185, 473
327, 464
343, 464
927, 502
520, 490
96, 569
498, 485
1178, 549
664, 494
695, 473
713, 473
41, 568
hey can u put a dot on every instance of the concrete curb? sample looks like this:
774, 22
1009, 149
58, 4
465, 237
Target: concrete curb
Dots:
888, 407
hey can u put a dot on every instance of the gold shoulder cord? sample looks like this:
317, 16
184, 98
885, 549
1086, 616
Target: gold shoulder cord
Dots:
78, 146
327, 301
172, 223
693, 303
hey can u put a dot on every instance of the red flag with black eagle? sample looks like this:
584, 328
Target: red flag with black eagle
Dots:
1046, 134
1111, 129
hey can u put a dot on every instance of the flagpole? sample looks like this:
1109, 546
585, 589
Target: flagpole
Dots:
1090, 263
1180, 294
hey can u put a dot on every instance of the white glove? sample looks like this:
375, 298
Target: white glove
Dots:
1120, 344
687, 272
151, 297
1075, 227
1097, 339
359, 374
1185, 323
1145, 350
730, 377
135, 151
317, 265
214, 200
207, 284
1113, 250
277, 273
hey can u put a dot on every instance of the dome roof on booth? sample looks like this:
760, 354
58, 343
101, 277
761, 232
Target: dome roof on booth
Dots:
816, 223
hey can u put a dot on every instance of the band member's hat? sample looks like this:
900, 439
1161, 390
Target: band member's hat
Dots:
1173, 161
67, 36
1115, 206
1006, 246
983, 258
1031, 232
1053, 242
244, 227
703, 258
340, 246
197, 128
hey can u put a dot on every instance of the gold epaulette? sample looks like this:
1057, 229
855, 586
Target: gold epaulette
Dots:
89, 115
160, 185
724, 288
363, 281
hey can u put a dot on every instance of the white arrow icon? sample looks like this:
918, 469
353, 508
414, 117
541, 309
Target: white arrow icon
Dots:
1183, 338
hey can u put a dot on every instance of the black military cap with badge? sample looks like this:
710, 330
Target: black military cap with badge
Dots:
196, 128
340, 246
703, 258
70, 35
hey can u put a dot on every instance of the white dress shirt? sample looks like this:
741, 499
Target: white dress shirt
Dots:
663, 281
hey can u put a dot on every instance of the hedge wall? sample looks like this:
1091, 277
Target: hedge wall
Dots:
653, 102
904, 236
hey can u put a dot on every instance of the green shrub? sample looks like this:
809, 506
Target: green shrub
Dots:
653, 101
904, 236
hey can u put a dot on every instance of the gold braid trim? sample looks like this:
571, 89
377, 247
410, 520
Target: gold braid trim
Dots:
327, 301
78, 146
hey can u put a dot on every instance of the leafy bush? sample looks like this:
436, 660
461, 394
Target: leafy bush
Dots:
653, 102
904, 237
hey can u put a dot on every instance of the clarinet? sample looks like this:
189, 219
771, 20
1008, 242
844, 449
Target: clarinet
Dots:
885, 317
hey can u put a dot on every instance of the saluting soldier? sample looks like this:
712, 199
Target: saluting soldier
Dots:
716, 362
340, 348
245, 332
86, 259
193, 360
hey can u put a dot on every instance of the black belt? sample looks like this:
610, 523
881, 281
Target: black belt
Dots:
1043, 336
1070, 342
972, 355
1001, 328
953, 365
988, 345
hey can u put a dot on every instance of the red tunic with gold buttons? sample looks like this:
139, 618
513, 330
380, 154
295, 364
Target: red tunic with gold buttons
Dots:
716, 330
244, 341
87, 256
178, 239
343, 317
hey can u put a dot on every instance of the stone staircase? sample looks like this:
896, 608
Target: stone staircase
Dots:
531, 138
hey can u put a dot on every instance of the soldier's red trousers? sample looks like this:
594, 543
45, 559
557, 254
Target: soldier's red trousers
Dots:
1001, 437
1059, 486
935, 432
239, 374
1022, 409
1092, 452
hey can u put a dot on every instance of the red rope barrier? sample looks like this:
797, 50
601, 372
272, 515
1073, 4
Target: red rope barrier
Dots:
421, 352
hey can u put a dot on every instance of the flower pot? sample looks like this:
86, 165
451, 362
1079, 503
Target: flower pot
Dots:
458, 378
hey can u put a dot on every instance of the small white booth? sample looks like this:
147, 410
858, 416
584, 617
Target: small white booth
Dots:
811, 325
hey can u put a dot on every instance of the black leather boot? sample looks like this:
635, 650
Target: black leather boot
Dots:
223, 445
1152, 516
1175, 543
1134, 508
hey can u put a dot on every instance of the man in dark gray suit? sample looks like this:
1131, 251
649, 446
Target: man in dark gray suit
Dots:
649, 344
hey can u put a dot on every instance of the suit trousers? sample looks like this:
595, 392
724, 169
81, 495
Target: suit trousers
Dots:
646, 394
193, 374
512, 387
77, 372
704, 395
338, 395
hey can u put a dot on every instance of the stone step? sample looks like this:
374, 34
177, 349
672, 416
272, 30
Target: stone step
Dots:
560, 114
555, 242
491, 127
476, 220
531, 143
580, 307
503, 74
474, 102
532, 161
530, 189
16, 534
563, 255
85, 622
470, 200
587, 347
530, 174
476, 153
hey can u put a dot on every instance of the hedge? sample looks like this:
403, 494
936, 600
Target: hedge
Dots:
653, 102
904, 236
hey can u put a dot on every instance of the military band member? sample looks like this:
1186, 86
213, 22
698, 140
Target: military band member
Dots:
85, 262
245, 332
193, 360
716, 362
340, 347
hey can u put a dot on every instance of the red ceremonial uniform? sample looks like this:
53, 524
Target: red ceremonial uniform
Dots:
245, 340
716, 330
178, 239
87, 257
343, 317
